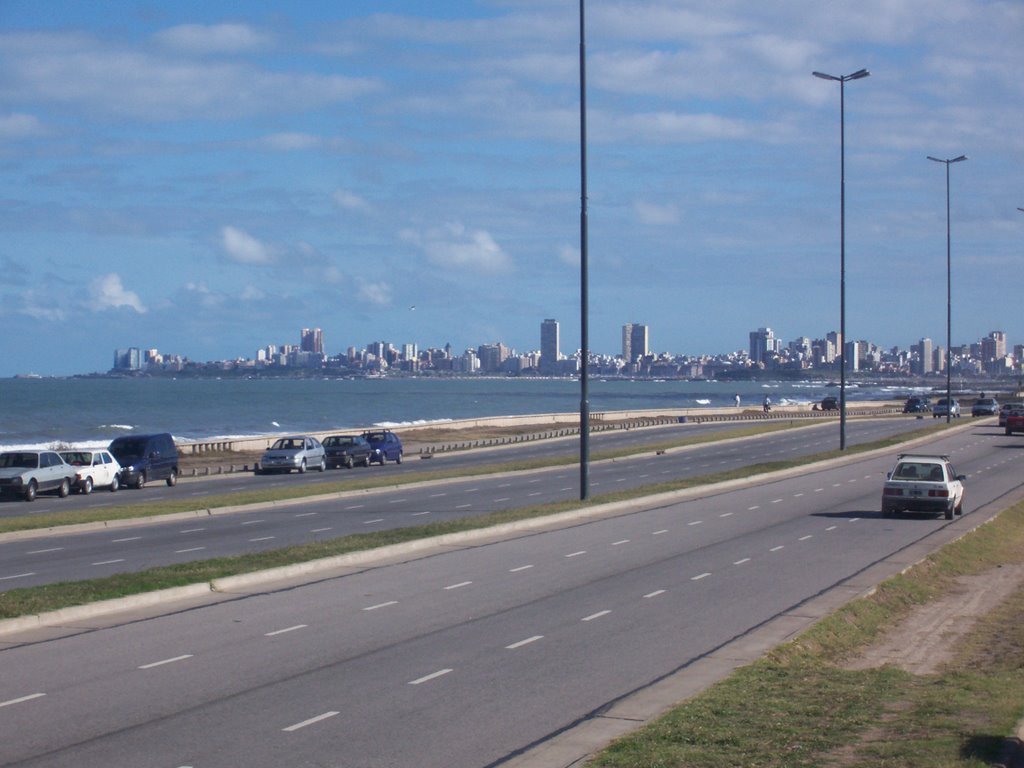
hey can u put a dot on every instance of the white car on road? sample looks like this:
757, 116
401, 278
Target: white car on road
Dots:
93, 469
923, 482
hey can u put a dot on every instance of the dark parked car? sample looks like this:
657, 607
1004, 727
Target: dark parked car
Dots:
830, 403
347, 451
26, 473
917, 404
146, 457
985, 406
385, 444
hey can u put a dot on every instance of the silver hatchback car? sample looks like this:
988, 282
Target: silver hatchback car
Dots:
298, 452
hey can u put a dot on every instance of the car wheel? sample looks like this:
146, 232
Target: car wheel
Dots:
86, 487
302, 467
172, 479
349, 462
323, 464
140, 481
949, 513
959, 508
115, 483
64, 488
366, 461
399, 459
30, 492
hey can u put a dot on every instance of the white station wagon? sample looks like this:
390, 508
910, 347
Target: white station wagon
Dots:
93, 469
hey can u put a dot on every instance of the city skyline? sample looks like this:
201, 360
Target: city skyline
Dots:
200, 175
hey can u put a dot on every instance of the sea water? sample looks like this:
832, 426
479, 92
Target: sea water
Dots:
92, 411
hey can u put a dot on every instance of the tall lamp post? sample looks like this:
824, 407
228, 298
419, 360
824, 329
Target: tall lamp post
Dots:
842, 80
584, 296
949, 294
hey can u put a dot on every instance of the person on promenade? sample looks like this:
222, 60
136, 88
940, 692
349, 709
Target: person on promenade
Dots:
767, 404
737, 401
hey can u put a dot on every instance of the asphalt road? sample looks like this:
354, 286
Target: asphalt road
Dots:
70, 557
466, 657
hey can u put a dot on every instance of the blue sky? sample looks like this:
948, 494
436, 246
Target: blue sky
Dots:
210, 177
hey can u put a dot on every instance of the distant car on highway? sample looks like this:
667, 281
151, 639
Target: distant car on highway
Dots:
917, 404
923, 483
28, 473
386, 445
985, 406
93, 469
347, 451
298, 452
830, 403
943, 408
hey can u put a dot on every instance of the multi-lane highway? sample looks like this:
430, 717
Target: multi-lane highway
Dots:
67, 557
466, 657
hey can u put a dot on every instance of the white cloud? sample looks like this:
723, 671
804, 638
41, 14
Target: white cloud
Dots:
107, 292
20, 126
570, 255
455, 247
376, 293
213, 38
242, 247
652, 213
350, 201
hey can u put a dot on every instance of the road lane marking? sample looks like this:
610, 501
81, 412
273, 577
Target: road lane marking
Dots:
776, 549
21, 699
496, 501
397, 501
695, 522
655, 593
658, 533
741, 562
463, 506
17, 576
251, 522
521, 643
751, 509
725, 514
854, 519
166, 661
191, 530
130, 538
380, 605
577, 554
44, 551
283, 631
375, 520
831, 527
431, 676
459, 585
190, 549
776, 501
436, 495
355, 506
699, 577
520, 568
109, 562
805, 538
311, 721
263, 538
597, 615
321, 530
418, 514
620, 541
306, 514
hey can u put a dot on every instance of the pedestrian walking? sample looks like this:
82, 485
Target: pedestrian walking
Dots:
767, 404
737, 401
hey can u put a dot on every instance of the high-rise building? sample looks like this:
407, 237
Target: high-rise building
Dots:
925, 359
762, 345
549, 354
312, 341
993, 346
634, 342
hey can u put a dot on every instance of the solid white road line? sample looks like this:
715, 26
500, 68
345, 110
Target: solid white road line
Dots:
166, 661
311, 721
431, 676
283, 631
521, 643
21, 699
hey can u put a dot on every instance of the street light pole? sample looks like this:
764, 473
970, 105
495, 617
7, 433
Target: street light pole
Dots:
584, 295
842, 79
949, 294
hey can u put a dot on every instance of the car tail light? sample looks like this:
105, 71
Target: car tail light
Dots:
944, 494
892, 491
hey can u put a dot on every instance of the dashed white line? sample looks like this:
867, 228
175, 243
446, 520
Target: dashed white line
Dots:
463, 506
776, 549
17, 576
854, 519
375, 520
306, 514
655, 593
44, 551
620, 541
263, 538
577, 554
831, 527
521, 643
751, 509
742, 561
311, 721
699, 577
459, 585
191, 530
166, 661
397, 501
725, 514
431, 676
419, 514
776, 501
658, 533
506, 498
109, 562
21, 699
355, 506
695, 522
520, 568
380, 605
251, 522
130, 538
190, 549
597, 615
321, 530
805, 538
436, 495
285, 630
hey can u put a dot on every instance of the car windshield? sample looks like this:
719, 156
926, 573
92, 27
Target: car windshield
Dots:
287, 444
336, 441
20, 460
127, 451
916, 470
376, 436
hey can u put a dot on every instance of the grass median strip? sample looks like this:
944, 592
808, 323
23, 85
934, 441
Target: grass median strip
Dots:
802, 706
32, 600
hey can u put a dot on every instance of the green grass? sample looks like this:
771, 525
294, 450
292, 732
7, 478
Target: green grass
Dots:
798, 706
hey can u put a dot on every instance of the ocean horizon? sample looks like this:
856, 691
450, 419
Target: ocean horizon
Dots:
91, 411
